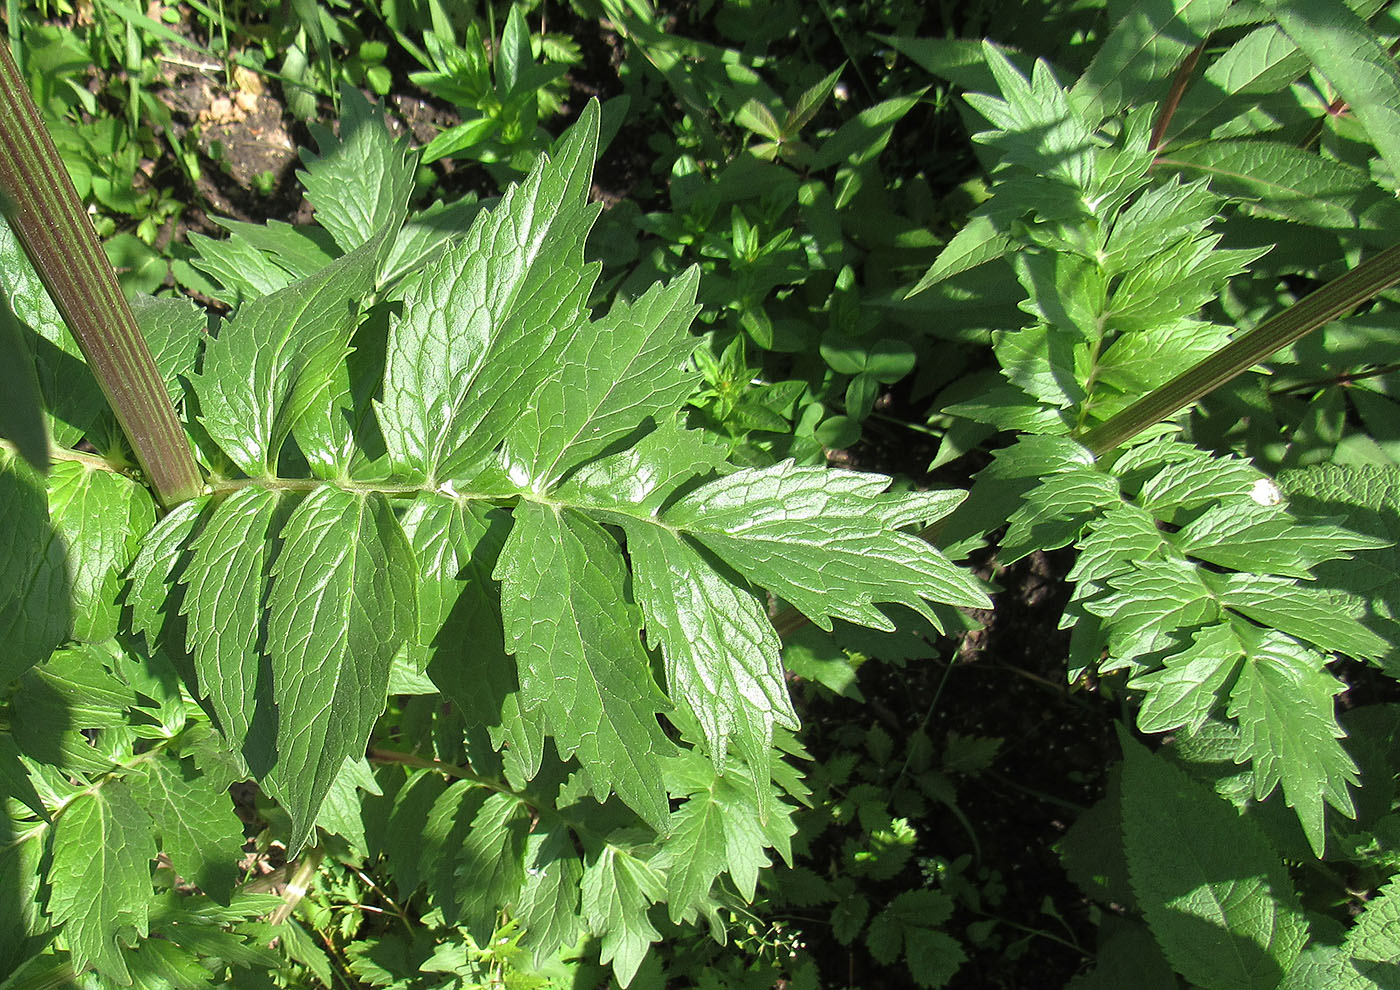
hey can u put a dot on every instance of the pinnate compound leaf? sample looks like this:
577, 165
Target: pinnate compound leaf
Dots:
276, 355
617, 890
100, 516
1283, 701
824, 541
100, 877
578, 647
34, 597
358, 181
1217, 897
226, 591
195, 820
626, 368
721, 651
341, 603
477, 324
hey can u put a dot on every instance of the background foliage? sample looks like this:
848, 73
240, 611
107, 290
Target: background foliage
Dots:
453, 410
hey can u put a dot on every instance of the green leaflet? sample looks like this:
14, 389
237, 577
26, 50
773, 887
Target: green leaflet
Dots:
441, 835
489, 869
22, 416
100, 877
339, 813
1038, 128
1196, 480
174, 329
1219, 901
272, 360
617, 890
1248, 536
911, 922
477, 322
153, 588
35, 609
195, 821
404, 836
644, 477
1311, 614
1185, 691
360, 181
548, 904
720, 827
626, 369
14, 778
720, 649
1371, 946
1353, 59
1054, 513
71, 396
1283, 701
1258, 65
341, 603
1282, 181
976, 243
579, 653
236, 262
456, 544
292, 252
1365, 499
1136, 61
99, 516
823, 540
21, 871
226, 594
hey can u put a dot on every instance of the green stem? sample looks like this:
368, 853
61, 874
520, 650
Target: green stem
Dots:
1333, 300
42, 207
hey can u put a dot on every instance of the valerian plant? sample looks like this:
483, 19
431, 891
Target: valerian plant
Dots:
1216, 596
451, 522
